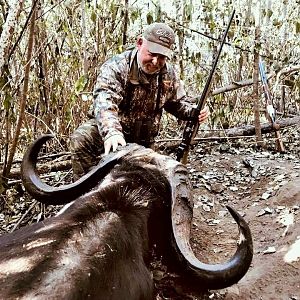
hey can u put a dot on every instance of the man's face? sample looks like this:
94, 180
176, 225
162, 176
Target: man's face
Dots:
150, 62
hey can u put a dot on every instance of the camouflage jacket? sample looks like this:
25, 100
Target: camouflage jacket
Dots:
123, 95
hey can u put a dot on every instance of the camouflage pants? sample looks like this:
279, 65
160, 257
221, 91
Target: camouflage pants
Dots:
86, 148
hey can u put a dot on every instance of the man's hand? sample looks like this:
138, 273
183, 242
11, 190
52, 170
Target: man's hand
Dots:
204, 114
113, 142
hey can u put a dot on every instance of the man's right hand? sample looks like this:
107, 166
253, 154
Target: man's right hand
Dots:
113, 142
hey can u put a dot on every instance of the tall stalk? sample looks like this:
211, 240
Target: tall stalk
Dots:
12, 151
8, 29
255, 90
125, 23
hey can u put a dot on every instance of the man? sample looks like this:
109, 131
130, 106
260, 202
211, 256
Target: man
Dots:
131, 91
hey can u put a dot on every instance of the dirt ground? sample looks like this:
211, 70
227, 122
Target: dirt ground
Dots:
263, 185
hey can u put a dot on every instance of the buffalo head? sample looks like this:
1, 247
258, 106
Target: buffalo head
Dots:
214, 276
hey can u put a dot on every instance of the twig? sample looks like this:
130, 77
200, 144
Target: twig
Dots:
62, 178
284, 71
48, 128
23, 99
35, 201
22, 31
54, 155
26, 213
12, 182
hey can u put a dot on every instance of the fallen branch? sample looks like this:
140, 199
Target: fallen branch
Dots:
243, 132
45, 168
236, 85
247, 131
48, 156
265, 128
247, 82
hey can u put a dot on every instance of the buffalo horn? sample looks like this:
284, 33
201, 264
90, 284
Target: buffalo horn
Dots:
62, 194
215, 276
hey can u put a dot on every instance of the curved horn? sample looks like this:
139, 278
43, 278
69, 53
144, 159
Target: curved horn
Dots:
63, 194
216, 276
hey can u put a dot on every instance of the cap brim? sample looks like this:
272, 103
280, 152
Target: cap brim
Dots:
156, 48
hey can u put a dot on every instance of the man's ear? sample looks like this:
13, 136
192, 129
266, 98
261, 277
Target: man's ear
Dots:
139, 42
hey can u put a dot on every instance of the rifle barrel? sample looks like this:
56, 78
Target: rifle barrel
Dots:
209, 79
191, 127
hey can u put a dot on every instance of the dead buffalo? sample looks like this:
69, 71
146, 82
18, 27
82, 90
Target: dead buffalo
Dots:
133, 203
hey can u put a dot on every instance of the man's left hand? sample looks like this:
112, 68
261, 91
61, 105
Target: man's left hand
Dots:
204, 114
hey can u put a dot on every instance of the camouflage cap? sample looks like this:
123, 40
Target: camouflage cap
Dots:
160, 38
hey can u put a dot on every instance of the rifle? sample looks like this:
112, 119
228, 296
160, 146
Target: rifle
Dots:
271, 115
192, 126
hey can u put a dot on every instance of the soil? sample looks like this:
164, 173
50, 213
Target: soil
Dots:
270, 203
262, 185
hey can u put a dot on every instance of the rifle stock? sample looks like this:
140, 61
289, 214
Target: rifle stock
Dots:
191, 127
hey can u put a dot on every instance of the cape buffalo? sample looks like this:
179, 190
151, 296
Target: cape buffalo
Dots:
132, 203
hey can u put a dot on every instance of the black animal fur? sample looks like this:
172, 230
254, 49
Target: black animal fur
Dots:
98, 248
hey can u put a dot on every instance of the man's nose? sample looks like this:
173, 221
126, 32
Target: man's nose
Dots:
154, 60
